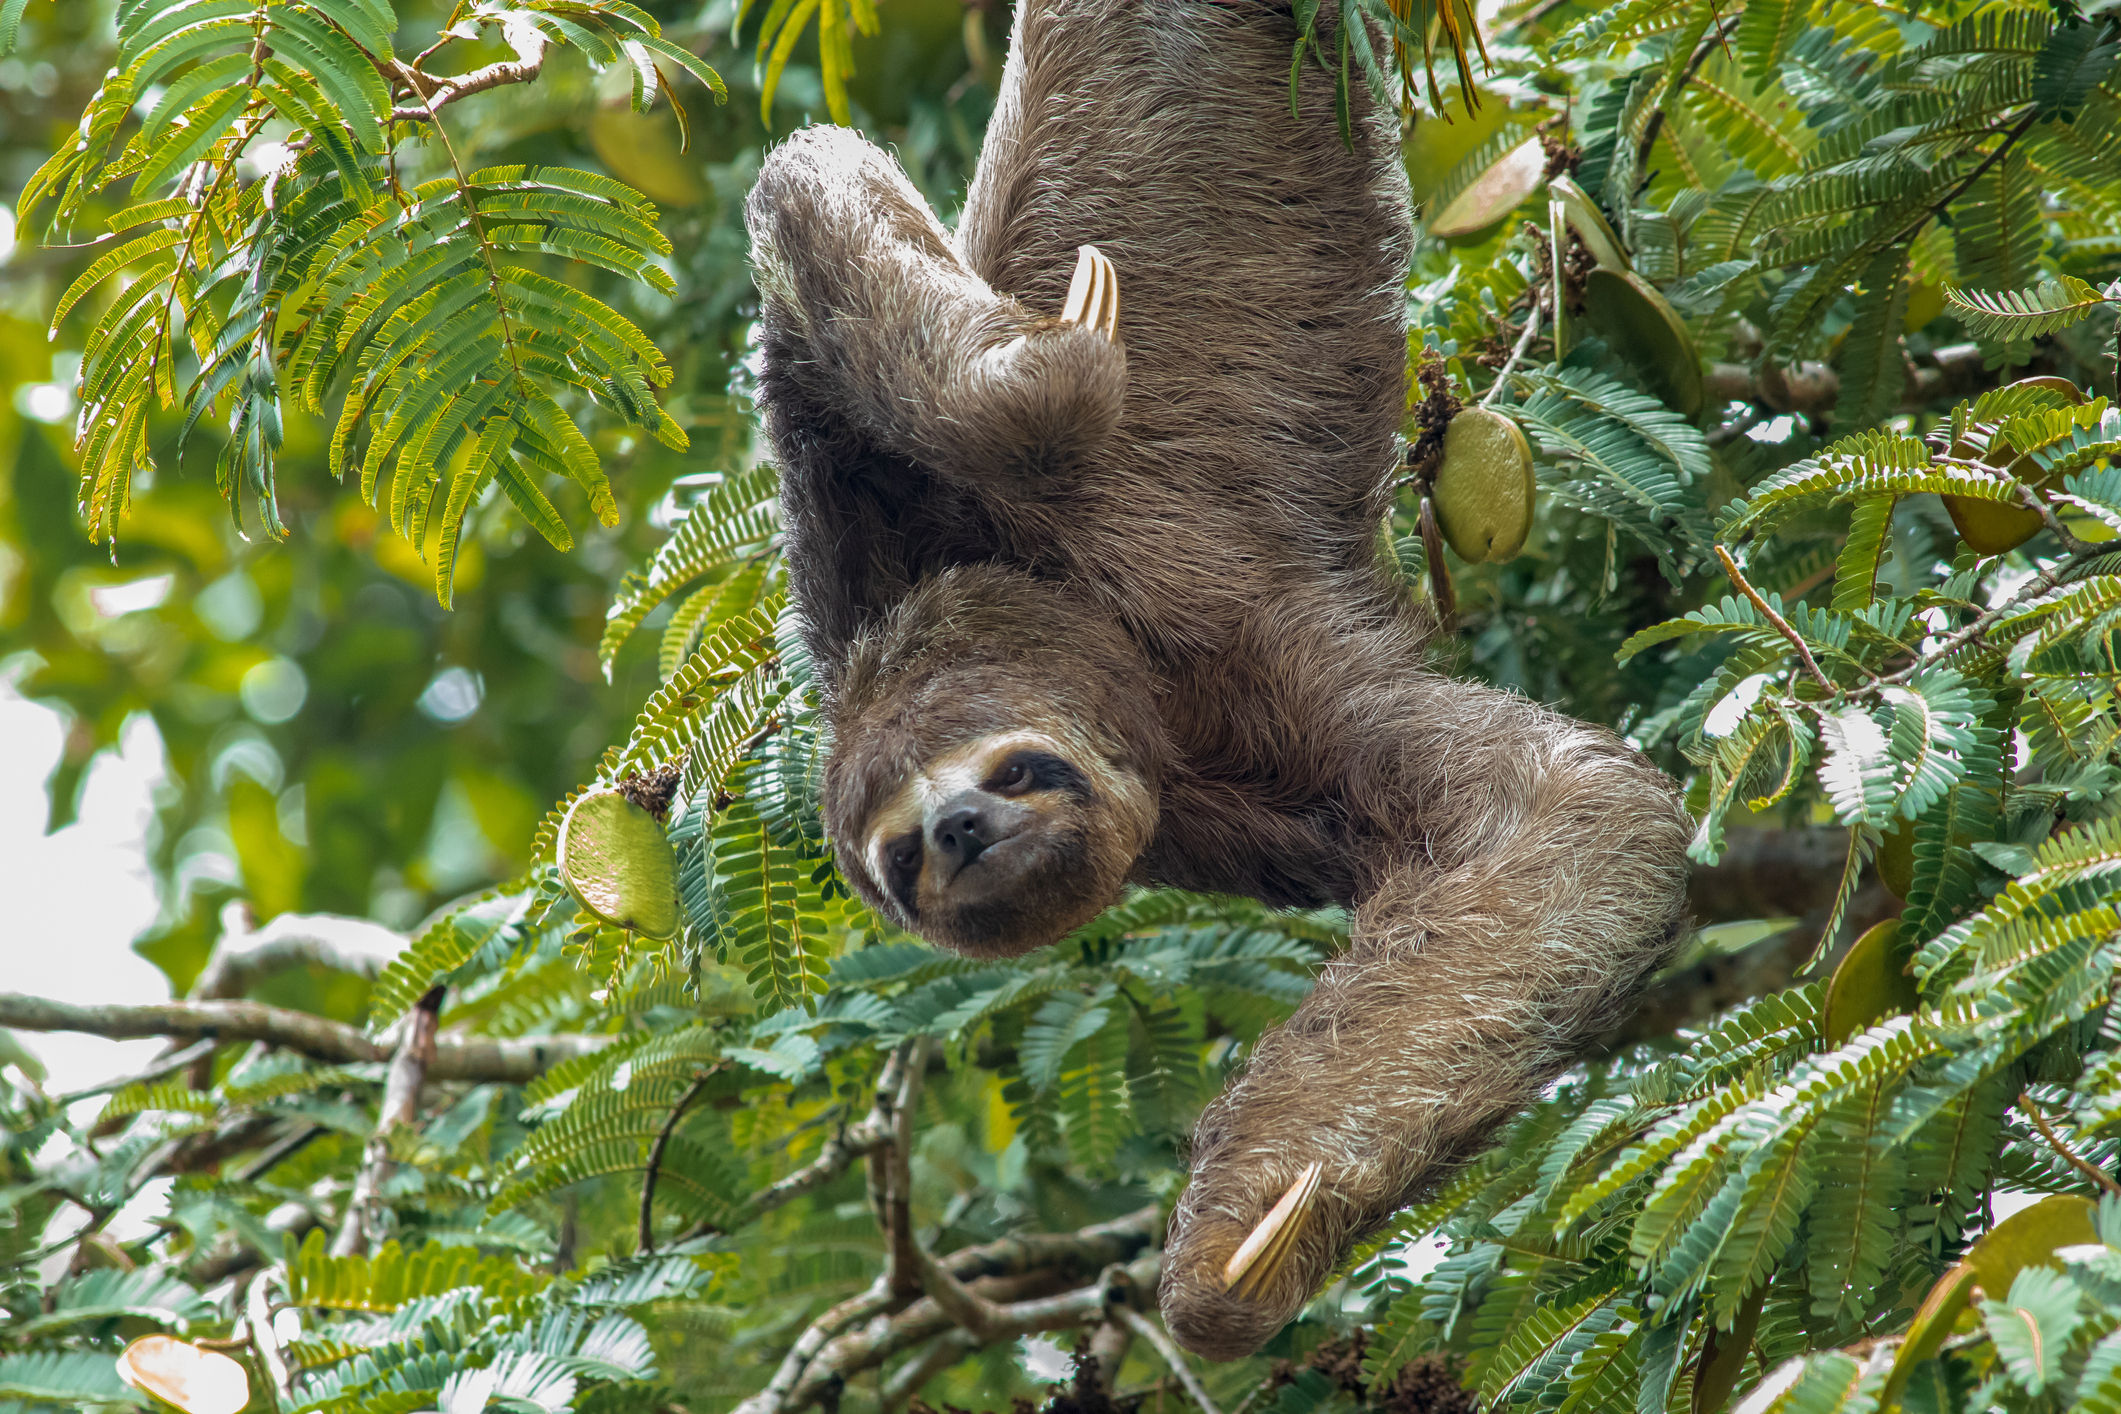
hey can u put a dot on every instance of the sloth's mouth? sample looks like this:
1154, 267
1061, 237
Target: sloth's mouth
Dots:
1004, 850
998, 868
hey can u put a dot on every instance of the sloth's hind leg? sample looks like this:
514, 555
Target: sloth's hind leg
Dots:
878, 316
1549, 883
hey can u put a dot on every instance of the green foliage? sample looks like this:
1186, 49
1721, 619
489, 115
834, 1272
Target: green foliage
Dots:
414, 304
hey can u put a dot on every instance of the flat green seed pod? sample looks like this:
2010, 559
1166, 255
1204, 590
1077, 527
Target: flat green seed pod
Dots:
1644, 329
1483, 492
1441, 141
1870, 983
1495, 193
618, 862
1589, 224
1990, 527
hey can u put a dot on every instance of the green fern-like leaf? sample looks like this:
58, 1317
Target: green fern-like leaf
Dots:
1091, 1093
734, 521
455, 349
2018, 315
65, 1378
763, 911
394, 1276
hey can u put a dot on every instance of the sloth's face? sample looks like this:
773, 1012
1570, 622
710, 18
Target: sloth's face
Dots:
1002, 843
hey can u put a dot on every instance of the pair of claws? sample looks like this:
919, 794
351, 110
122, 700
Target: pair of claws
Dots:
1093, 300
1254, 1265
1093, 295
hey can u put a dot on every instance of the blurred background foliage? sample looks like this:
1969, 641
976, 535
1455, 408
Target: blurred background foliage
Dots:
337, 741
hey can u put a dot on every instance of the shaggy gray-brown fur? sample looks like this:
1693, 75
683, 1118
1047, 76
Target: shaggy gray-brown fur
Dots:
1161, 551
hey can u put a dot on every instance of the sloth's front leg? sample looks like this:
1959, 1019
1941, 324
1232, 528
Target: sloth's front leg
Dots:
868, 302
1549, 882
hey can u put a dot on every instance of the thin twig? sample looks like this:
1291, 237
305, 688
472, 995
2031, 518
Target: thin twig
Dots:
401, 1106
2076, 1160
2010, 139
1782, 625
1524, 341
1718, 35
646, 1236
169, 1064
1153, 1333
257, 1313
2043, 582
439, 91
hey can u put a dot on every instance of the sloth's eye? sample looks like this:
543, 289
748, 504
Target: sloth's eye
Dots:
906, 854
1014, 777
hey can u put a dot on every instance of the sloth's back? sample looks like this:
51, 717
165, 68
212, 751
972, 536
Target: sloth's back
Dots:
1260, 263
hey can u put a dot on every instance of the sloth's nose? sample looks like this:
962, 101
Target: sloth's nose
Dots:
960, 834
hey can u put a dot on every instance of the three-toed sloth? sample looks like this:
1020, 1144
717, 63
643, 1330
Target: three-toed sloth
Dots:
1094, 594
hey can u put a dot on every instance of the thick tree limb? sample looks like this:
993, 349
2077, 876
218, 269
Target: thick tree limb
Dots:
891, 1169
1954, 372
1109, 1344
476, 1059
362, 1225
245, 958
908, 1379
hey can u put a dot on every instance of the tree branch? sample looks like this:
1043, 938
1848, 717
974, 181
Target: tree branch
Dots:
1524, 341
1019, 1311
476, 1059
2049, 578
645, 1240
839, 1154
1954, 372
244, 958
362, 1225
257, 1313
908, 1379
1013, 1267
891, 1169
1782, 625
1718, 36
1148, 1330
437, 92
2075, 1160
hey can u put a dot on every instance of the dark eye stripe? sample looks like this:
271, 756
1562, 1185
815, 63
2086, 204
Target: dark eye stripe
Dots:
1048, 772
902, 871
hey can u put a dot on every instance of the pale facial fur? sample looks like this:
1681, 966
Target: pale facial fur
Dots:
1006, 842
940, 780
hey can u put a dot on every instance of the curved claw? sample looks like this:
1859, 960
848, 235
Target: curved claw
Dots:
1252, 1266
1093, 295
